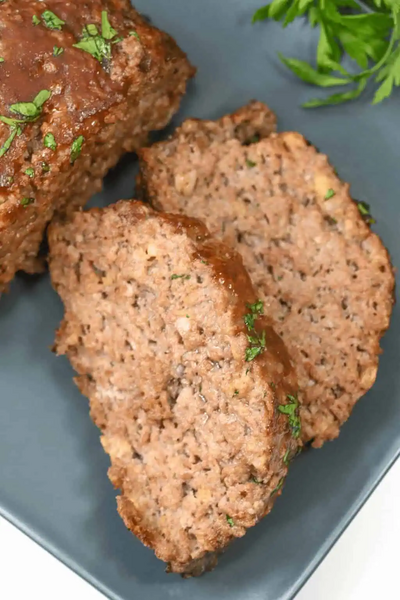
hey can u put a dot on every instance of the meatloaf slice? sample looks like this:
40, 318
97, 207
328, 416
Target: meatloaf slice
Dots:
78, 88
157, 319
325, 278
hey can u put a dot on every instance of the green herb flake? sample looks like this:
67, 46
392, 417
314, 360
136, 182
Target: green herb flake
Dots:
30, 111
106, 30
278, 487
257, 481
49, 141
1, 59
35, 20
364, 209
30, 172
236, 392
76, 148
291, 410
96, 44
27, 112
252, 140
7, 144
57, 51
256, 341
174, 276
134, 34
230, 521
250, 163
286, 458
252, 353
329, 194
272, 385
51, 20
257, 308
27, 201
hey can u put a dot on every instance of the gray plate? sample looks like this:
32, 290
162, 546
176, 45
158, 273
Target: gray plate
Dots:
53, 481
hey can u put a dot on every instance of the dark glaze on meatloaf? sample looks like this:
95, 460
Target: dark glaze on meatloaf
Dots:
113, 105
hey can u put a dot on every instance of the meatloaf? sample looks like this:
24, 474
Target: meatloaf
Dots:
79, 86
191, 388
325, 278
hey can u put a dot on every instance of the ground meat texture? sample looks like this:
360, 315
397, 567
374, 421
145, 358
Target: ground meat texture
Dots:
113, 104
154, 326
325, 278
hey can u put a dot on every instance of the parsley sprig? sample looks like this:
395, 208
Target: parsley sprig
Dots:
27, 112
292, 411
371, 40
256, 340
99, 44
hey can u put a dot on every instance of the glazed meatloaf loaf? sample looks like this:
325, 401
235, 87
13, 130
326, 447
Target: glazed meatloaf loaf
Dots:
325, 278
80, 84
191, 388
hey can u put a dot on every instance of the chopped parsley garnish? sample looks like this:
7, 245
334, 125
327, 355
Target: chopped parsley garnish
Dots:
272, 385
134, 34
35, 20
230, 521
51, 20
57, 51
96, 44
26, 201
278, 487
28, 112
45, 167
49, 141
76, 148
250, 163
1, 59
236, 392
30, 172
291, 410
286, 458
107, 31
174, 276
256, 341
364, 209
329, 194
9, 140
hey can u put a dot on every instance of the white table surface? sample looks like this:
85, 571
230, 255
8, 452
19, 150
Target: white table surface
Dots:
363, 565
